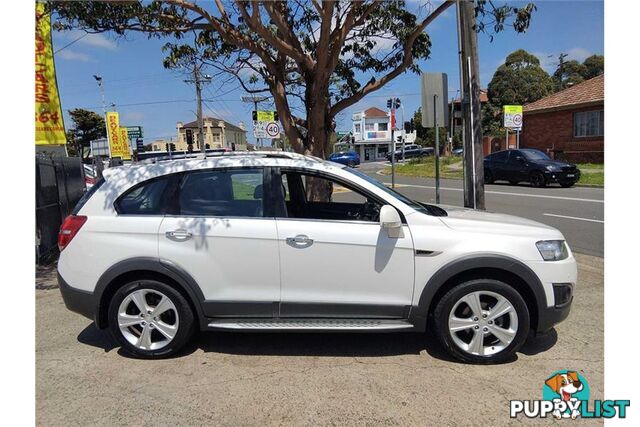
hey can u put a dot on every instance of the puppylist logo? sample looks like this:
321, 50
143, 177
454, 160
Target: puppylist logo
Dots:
565, 394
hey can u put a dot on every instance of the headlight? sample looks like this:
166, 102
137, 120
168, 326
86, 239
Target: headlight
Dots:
552, 168
552, 250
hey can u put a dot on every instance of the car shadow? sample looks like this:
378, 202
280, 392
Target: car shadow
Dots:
320, 344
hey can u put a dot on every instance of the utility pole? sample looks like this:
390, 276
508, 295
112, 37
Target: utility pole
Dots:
437, 151
255, 100
561, 64
470, 95
196, 77
104, 104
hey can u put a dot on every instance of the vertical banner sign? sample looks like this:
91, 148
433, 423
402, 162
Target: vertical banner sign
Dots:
114, 135
125, 147
49, 123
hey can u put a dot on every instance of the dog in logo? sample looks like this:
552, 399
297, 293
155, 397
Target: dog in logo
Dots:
565, 385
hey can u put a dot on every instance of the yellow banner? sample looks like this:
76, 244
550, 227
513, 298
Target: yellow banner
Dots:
126, 146
49, 122
265, 116
118, 145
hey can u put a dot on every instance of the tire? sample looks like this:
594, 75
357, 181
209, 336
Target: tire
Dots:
488, 177
176, 319
513, 326
537, 179
351, 164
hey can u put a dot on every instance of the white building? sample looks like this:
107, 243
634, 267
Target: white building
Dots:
371, 135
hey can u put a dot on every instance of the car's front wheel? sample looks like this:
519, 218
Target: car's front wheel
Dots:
537, 179
488, 177
482, 321
150, 319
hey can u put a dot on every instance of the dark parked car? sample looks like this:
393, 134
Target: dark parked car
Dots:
411, 151
529, 165
349, 158
458, 152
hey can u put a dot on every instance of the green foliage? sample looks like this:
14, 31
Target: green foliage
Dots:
518, 81
87, 126
574, 72
318, 58
427, 136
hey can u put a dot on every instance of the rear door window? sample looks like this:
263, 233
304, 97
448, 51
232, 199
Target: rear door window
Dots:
222, 193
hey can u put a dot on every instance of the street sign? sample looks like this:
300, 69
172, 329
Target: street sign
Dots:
268, 130
134, 132
513, 116
435, 100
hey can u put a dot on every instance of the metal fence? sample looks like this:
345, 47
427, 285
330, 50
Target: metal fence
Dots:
59, 185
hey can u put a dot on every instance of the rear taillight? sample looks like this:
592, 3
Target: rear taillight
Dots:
69, 228
89, 180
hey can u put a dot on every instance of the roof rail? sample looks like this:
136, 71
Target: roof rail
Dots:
200, 156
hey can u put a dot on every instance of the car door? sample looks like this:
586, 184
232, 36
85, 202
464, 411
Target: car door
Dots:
498, 164
335, 259
515, 169
221, 234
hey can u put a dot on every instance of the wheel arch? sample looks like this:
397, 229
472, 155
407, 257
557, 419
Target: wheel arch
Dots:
150, 268
497, 267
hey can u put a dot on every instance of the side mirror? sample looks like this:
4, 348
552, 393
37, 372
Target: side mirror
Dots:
389, 217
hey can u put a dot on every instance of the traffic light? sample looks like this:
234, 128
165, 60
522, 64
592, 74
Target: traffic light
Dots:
396, 104
172, 146
189, 134
409, 126
254, 115
389, 103
399, 138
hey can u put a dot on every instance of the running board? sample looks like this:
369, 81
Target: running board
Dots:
311, 324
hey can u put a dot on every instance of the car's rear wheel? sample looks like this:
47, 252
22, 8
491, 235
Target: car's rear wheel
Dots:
351, 164
150, 319
482, 321
488, 177
537, 179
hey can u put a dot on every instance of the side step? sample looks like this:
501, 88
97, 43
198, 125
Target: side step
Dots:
311, 324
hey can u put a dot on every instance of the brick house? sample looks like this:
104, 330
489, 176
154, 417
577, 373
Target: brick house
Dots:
569, 124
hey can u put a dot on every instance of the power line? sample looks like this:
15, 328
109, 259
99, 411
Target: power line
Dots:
70, 43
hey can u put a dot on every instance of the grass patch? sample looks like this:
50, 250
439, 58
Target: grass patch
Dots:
426, 168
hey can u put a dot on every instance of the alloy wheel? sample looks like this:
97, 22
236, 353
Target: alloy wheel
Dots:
483, 323
148, 319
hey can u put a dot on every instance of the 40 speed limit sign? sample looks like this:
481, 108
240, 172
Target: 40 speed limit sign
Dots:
269, 130
513, 116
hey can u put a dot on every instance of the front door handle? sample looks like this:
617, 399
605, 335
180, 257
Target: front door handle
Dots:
300, 241
178, 235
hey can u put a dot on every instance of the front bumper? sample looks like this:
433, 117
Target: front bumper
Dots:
77, 300
551, 316
562, 177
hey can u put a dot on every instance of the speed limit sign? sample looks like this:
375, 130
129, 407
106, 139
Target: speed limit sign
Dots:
513, 116
273, 130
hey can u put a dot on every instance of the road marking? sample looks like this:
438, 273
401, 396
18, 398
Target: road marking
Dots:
540, 196
574, 217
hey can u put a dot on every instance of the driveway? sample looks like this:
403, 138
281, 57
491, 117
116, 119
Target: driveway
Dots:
301, 379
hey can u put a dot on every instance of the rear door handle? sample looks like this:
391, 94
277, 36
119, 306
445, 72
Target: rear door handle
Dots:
178, 235
300, 241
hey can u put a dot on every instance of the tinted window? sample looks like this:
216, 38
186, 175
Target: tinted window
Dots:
500, 156
534, 155
144, 199
222, 193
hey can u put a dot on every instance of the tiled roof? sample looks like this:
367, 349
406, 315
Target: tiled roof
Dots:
214, 121
375, 112
588, 92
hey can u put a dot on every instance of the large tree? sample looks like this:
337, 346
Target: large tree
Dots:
87, 126
518, 81
573, 72
594, 66
316, 58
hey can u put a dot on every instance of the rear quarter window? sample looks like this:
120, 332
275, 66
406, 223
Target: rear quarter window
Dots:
147, 198
86, 196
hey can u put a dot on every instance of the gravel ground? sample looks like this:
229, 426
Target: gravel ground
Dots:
301, 379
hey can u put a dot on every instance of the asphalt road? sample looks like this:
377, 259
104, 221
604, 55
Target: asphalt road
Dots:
578, 212
248, 379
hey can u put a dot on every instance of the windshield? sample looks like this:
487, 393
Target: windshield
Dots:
534, 155
420, 207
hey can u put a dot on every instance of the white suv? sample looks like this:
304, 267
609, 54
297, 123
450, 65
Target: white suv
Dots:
155, 251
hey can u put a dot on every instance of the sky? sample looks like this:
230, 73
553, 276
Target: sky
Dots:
148, 95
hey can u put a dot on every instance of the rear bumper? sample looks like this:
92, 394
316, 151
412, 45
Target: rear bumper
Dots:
77, 300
